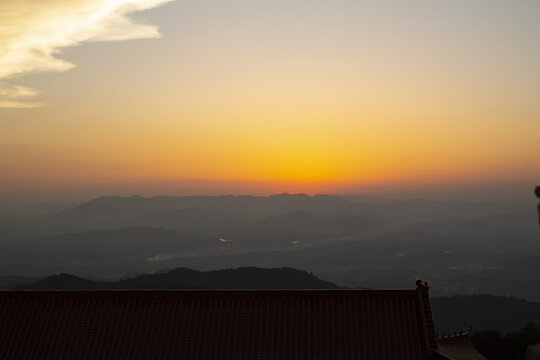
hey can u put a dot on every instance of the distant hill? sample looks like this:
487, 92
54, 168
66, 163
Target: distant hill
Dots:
64, 282
103, 208
181, 278
115, 211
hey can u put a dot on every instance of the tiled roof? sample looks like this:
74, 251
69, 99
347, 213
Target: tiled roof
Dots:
457, 347
272, 324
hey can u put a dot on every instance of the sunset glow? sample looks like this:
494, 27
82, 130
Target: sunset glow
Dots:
266, 96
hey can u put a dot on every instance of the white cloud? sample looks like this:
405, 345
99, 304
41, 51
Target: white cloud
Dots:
32, 33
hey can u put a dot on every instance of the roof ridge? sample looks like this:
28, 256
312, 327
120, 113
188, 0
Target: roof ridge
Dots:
455, 337
423, 294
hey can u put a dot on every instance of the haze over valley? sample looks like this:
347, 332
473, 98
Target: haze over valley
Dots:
353, 241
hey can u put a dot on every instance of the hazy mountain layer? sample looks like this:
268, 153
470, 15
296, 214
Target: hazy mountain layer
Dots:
181, 278
459, 247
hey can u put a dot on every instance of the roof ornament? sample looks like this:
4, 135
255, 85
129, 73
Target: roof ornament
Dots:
419, 284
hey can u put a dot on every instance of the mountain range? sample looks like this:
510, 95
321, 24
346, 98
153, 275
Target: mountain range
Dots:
460, 247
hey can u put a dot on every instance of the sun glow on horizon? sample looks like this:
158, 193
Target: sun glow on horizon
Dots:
340, 95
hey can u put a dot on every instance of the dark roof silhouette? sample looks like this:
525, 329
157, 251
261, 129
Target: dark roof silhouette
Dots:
234, 324
458, 347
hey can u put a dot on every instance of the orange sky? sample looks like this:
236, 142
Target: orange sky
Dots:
268, 95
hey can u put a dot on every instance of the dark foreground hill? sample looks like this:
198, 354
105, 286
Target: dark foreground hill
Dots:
451, 313
182, 278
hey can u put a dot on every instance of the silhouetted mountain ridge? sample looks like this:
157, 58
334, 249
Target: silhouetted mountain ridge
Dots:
182, 278
236, 204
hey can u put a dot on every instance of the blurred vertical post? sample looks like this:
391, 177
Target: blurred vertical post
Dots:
537, 192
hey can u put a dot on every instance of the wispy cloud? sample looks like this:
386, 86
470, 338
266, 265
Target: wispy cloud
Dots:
11, 95
33, 32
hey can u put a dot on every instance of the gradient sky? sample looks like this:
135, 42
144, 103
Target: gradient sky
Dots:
219, 96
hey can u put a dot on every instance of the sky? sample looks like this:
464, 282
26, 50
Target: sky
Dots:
248, 96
